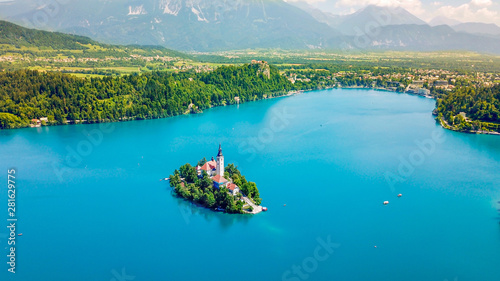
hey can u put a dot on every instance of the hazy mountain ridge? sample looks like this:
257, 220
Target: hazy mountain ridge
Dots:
374, 17
427, 38
477, 28
195, 24
442, 20
204, 25
389, 28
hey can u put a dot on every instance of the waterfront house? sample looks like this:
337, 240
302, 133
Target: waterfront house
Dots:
35, 123
233, 188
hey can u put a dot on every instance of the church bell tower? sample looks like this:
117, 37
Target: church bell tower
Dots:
220, 163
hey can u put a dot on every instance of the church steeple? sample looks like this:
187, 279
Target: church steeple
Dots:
220, 162
220, 151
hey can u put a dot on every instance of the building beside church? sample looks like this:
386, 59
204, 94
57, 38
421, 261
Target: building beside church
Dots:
210, 167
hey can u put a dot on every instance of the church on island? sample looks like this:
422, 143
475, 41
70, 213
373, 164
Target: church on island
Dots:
215, 170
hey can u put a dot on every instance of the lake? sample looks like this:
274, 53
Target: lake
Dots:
91, 206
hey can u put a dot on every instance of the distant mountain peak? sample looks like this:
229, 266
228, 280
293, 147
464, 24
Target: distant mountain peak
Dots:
373, 16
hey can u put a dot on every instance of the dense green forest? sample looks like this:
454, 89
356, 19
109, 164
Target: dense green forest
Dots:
26, 94
480, 108
200, 189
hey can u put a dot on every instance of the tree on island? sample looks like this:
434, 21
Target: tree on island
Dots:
202, 162
247, 188
188, 172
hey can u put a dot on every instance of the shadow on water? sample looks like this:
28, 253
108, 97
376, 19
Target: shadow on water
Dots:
498, 218
190, 210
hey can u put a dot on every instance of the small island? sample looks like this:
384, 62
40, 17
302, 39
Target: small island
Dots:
216, 187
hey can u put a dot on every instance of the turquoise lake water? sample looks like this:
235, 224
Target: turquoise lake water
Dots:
91, 206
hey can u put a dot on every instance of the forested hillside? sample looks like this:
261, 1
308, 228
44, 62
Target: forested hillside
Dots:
19, 36
480, 105
27, 94
35, 44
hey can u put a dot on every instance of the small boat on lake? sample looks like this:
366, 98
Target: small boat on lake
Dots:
386, 202
264, 209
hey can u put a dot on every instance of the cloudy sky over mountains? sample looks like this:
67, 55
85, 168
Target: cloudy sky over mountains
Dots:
463, 10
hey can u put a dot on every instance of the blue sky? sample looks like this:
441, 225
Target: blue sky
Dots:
463, 10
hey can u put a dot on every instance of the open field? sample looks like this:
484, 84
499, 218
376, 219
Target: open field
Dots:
120, 60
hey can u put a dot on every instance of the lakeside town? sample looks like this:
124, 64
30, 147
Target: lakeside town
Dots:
419, 82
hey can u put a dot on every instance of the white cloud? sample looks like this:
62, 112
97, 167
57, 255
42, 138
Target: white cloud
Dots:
470, 12
481, 3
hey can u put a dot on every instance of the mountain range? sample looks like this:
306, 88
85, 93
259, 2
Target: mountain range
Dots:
213, 25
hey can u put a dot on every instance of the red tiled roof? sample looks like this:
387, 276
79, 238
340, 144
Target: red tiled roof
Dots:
231, 186
219, 179
209, 166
